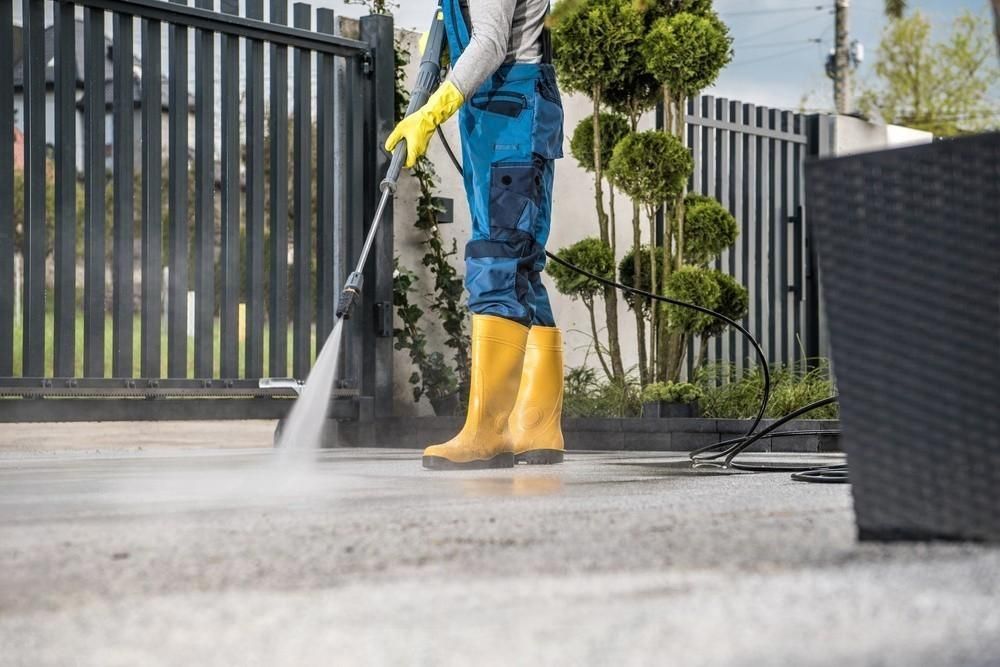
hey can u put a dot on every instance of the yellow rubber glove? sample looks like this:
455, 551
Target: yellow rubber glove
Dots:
418, 128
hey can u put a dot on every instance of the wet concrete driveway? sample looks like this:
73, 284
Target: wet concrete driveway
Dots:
213, 556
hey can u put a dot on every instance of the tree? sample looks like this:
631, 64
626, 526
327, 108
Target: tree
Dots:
595, 41
651, 168
593, 255
944, 86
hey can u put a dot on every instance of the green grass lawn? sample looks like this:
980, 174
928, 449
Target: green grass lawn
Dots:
136, 350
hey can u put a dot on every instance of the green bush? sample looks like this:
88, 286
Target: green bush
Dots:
729, 394
593, 40
672, 392
650, 167
695, 285
591, 254
626, 274
586, 395
708, 229
614, 127
734, 301
686, 52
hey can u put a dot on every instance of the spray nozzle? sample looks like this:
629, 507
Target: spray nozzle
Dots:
352, 290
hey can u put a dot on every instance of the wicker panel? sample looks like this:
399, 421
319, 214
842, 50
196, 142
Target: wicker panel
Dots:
909, 246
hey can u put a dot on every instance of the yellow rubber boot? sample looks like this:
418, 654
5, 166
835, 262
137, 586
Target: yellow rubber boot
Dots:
484, 442
536, 423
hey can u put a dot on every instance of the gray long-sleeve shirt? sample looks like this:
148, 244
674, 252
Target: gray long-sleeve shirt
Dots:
501, 31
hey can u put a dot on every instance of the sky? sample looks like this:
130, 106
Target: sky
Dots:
775, 62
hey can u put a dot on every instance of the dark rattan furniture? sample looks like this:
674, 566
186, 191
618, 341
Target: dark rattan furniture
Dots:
909, 249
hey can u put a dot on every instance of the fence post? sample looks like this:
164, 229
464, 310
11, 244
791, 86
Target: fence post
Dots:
6, 186
254, 290
177, 356
204, 195
33, 237
124, 195
302, 198
64, 246
278, 213
377, 31
95, 179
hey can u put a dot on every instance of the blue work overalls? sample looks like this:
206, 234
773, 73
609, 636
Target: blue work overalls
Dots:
512, 131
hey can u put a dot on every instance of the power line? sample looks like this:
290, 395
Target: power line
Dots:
771, 57
783, 26
777, 45
776, 10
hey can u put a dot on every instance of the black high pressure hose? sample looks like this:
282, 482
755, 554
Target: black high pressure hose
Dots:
722, 454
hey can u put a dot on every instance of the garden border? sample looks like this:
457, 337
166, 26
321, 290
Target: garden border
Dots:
604, 434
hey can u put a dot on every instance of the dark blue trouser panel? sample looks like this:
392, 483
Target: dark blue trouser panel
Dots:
512, 131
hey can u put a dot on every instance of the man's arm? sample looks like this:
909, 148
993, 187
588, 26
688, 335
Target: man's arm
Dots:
487, 50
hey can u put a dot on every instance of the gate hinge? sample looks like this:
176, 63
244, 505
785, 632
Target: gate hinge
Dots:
367, 64
383, 319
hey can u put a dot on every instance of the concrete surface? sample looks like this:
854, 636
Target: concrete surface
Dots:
217, 556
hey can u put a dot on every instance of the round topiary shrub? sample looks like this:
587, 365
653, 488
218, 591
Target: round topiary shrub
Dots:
626, 274
734, 302
614, 127
686, 51
708, 229
650, 167
590, 254
696, 285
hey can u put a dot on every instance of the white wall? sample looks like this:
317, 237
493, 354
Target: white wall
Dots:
853, 135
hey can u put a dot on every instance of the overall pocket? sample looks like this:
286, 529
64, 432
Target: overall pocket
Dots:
515, 195
547, 127
501, 102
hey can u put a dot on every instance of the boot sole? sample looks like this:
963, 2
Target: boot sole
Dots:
441, 463
540, 457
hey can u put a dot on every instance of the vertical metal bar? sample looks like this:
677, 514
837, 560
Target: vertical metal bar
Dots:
751, 265
278, 311
6, 186
739, 212
342, 197
761, 248
697, 143
377, 31
204, 196
124, 197
776, 234
788, 242
355, 225
229, 273
325, 188
33, 249
177, 338
94, 185
64, 330
723, 176
302, 199
253, 364
152, 210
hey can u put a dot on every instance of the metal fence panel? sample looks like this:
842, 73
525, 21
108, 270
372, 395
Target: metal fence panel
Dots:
751, 160
220, 203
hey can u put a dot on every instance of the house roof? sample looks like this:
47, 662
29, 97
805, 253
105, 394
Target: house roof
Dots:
79, 67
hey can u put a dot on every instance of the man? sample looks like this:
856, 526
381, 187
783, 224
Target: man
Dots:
503, 83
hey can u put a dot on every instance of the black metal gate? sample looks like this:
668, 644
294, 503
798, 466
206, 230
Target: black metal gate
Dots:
751, 159
222, 169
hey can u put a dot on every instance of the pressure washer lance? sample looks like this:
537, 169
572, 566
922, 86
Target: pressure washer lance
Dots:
427, 80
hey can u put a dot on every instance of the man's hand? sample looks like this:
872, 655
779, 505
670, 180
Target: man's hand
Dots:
418, 128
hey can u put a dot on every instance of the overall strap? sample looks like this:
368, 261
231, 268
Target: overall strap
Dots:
548, 52
455, 27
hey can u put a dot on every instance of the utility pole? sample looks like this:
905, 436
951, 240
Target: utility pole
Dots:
841, 61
